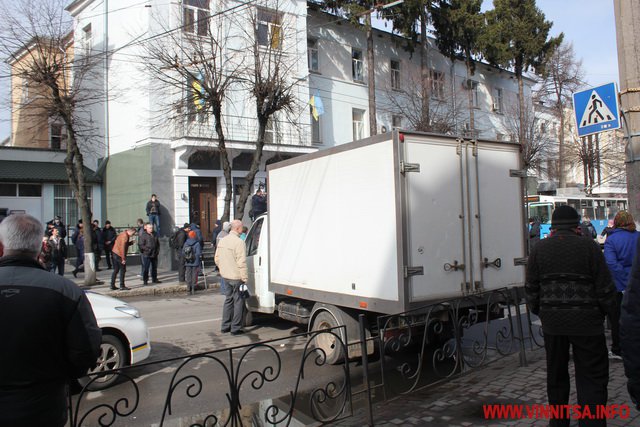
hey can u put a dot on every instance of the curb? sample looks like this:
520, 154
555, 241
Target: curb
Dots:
152, 291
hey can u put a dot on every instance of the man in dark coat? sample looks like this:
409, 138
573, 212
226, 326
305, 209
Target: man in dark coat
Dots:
258, 204
178, 243
39, 310
149, 247
569, 286
153, 212
534, 232
109, 238
57, 223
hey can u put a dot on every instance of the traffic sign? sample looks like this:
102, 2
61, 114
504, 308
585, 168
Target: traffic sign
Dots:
596, 109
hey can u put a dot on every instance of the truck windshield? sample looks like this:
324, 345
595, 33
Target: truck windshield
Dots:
253, 238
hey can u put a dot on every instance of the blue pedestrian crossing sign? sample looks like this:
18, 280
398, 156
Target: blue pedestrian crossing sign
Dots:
596, 109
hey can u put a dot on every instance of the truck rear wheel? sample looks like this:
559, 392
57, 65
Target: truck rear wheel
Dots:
330, 344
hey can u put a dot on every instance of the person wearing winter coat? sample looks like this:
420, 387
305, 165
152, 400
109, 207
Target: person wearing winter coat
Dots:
192, 267
569, 286
149, 247
619, 251
58, 252
109, 238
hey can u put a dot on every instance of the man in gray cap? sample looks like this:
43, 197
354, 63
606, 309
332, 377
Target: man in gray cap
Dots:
569, 286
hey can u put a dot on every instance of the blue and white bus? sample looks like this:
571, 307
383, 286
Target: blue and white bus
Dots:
599, 209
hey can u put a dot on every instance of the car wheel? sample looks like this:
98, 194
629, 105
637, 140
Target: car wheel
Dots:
112, 356
330, 345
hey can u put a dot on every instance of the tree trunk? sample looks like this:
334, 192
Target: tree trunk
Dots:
371, 78
424, 73
226, 167
472, 125
521, 118
253, 169
74, 166
562, 180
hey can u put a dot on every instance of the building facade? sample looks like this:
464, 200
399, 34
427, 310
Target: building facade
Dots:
158, 141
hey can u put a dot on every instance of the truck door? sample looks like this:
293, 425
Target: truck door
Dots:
257, 245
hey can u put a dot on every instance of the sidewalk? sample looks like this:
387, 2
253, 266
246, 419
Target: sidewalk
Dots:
458, 403
168, 286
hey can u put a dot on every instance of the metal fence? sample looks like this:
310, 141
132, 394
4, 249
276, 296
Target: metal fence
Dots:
236, 386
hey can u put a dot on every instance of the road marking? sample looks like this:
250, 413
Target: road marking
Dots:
174, 325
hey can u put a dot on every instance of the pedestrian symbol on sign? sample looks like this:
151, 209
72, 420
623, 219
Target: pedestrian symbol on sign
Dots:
596, 111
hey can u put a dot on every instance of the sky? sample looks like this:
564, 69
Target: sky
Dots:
588, 24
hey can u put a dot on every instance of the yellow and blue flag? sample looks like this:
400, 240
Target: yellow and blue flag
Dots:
317, 108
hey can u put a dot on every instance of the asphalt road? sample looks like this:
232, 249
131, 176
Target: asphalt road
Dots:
188, 325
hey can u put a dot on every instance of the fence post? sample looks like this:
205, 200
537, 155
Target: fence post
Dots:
365, 367
523, 354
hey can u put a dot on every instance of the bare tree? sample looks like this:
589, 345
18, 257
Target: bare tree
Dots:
37, 41
600, 156
270, 80
526, 128
201, 68
447, 107
563, 76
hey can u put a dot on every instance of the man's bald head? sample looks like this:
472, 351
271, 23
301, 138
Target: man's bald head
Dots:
236, 225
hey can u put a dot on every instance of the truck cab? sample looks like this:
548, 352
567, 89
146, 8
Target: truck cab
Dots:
257, 244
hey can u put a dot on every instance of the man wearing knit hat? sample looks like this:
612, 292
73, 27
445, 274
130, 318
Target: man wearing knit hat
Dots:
569, 286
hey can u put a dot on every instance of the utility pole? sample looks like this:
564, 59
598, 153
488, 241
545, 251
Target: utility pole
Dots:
628, 40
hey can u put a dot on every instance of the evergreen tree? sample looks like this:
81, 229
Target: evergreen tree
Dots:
516, 37
459, 26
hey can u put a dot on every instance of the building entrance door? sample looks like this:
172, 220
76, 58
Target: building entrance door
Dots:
202, 204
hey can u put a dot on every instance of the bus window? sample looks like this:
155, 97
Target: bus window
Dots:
600, 211
541, 212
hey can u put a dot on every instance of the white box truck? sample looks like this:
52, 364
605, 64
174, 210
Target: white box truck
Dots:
385, 225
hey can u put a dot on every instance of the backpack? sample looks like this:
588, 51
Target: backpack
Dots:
189, 254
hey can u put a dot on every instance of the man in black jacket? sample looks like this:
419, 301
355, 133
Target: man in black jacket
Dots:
149, 247
109, 238
568, 284
38, 311
178, 243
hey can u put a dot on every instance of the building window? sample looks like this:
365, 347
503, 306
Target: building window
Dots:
312, 54
57, 136
270, 131
396, 121
395, 74
436, 81
269, 28
65, 204
358, 124
497, 100
195, 101
29, 190
543, 128
86, 39
25, 90
315, 128
8, 190
357, 65
195, 17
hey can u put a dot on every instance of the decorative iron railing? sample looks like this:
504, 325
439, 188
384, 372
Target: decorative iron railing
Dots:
431, 344
236, 386
214, 388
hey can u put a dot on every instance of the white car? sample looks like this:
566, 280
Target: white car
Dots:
125, 338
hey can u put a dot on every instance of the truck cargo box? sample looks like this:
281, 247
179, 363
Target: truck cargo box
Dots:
395, 221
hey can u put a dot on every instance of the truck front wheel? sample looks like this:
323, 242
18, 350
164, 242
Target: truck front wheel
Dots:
328, 342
